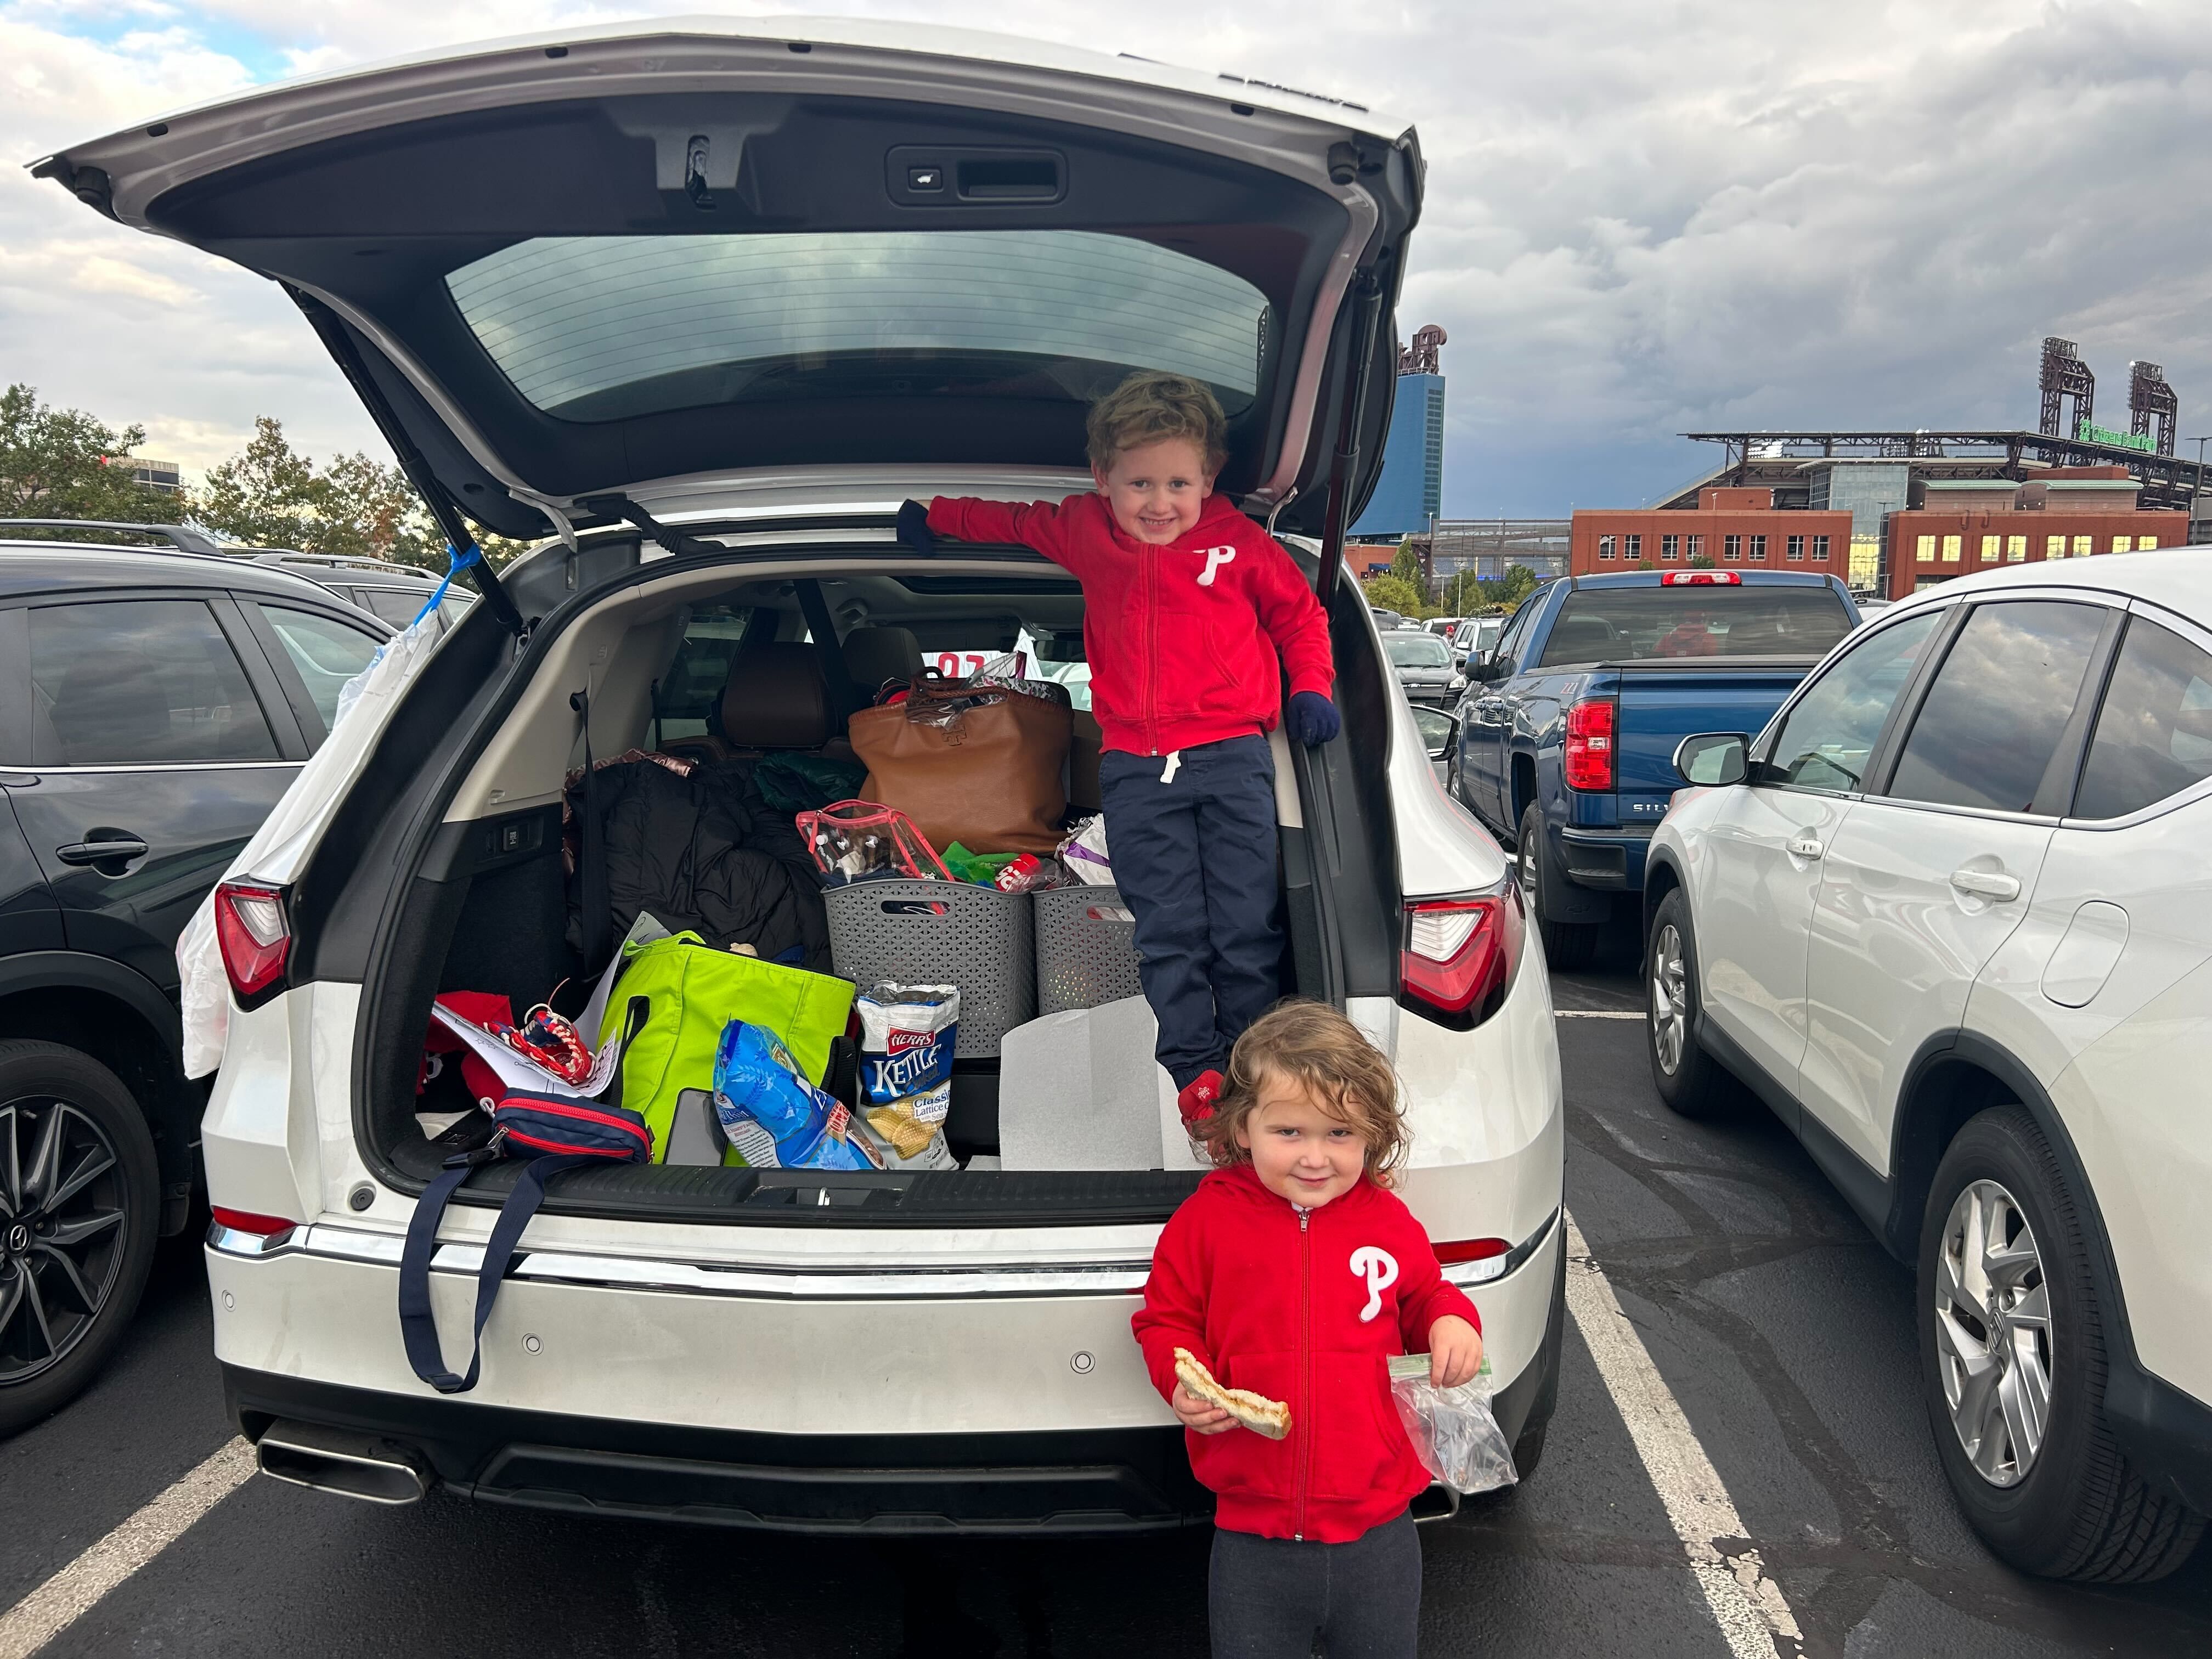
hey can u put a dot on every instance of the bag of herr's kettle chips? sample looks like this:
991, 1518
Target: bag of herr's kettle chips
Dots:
907, 1035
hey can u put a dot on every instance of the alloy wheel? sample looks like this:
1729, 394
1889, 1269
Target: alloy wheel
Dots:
1670, 1001
1993, 1336
62, 1230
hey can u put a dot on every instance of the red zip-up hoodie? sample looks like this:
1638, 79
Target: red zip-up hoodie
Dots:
1306, 1307
1183, 637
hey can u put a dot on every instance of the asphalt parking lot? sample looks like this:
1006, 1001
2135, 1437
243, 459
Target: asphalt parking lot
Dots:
1783, 1332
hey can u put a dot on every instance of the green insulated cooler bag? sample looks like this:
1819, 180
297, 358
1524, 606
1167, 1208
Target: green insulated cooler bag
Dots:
693, 991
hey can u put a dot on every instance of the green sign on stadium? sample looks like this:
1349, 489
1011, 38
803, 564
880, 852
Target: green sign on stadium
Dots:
2089, 432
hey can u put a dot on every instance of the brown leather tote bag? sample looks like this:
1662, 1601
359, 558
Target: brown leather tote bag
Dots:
983, 766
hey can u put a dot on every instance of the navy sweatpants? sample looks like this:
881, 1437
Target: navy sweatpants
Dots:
1194, 854
1269, 1598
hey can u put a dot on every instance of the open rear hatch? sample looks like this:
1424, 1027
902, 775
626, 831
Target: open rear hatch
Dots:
570, 266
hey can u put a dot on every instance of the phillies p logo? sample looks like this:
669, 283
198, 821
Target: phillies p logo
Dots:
1215, 558
1380, 1269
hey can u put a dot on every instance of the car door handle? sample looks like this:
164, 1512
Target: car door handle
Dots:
1989, 884
1807, 846
114, 846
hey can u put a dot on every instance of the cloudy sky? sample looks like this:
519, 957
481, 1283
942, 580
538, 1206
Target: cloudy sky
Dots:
1644, 217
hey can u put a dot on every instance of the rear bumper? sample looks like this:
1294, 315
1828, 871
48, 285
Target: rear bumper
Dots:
1064, 1482
1607, 860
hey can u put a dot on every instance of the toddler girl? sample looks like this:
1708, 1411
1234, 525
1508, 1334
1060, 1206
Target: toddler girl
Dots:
1294, 1272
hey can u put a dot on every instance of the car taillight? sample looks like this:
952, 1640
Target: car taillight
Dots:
253, 933
247, 1221
1702, 579
1459, 955
1589, 743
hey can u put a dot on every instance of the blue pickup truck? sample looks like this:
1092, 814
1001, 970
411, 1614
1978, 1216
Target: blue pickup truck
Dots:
1568, 727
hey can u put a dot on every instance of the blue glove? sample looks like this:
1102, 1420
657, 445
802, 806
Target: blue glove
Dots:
913, 527
1313, 718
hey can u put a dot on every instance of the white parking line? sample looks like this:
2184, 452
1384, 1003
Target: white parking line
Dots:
74, 1591
1748, 1607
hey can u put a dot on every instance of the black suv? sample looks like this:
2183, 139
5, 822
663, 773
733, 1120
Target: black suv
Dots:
154, 704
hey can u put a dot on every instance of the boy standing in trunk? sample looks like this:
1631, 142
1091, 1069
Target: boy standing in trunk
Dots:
1193, 619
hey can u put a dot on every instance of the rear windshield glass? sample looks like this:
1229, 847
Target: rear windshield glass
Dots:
605, 328
1620, 624
1417, 651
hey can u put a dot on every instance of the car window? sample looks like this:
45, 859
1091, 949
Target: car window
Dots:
1600, 624
139, 681
1827, 740
692, 687
1516, 627
607, 328
2000, 703
1417, 651
2154, 736
398, 606
327, 653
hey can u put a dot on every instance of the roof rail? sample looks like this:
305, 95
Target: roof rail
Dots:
343, 562
183, 537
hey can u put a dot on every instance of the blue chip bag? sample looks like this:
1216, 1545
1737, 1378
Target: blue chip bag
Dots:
772, 1114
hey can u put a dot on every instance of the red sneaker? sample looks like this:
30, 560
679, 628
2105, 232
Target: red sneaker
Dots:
1195, 1101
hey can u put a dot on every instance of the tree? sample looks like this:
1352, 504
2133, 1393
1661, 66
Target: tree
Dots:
1704, 562
1515, 584
1391, 592
62, 464
1405, 565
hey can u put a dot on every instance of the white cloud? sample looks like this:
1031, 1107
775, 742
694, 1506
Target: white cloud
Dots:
1640, 220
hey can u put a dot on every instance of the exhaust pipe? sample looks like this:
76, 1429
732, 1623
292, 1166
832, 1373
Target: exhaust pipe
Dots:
367, 1466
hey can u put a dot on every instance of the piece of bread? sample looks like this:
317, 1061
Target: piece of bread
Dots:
1255, 1412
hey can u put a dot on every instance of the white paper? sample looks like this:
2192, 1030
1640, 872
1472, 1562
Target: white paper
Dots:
518, 1071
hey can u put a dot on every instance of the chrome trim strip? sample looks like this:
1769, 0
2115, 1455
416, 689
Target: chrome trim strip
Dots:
231, 1242
157, 766
1493, 1268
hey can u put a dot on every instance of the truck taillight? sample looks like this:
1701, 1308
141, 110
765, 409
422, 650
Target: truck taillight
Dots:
1459, 955
254, 934
1589, 743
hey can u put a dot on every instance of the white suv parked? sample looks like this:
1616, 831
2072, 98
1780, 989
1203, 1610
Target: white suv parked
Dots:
596, 285
1949, 917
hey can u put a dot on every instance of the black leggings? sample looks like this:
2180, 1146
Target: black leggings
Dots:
1268, 1598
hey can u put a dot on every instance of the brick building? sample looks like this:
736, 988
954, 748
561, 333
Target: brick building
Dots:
1734, 528
1955, 528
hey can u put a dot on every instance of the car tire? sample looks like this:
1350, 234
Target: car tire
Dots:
2068, 1505
1691, 1081
1569, 946
82, 1185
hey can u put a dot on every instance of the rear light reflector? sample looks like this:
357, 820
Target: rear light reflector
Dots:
253, 933
1459, 955
1702, 579
1469, 1249
247, 1221
1589, 743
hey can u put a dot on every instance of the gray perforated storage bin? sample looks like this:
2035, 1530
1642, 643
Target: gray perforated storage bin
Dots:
1086, 948
942, 932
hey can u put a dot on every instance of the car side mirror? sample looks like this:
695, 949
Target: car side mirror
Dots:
1485, 667
1440, 730
1713, 760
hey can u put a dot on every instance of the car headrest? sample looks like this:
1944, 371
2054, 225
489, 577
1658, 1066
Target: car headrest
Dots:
874, 655
1578, 639
776, 698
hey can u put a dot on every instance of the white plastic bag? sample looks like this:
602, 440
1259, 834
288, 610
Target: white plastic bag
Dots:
1085, 853
1454, 1430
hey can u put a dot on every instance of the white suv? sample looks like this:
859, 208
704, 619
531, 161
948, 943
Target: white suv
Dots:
1949, 917
599, 285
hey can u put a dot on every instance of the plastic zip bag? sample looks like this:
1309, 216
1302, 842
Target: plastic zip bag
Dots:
1454, 1430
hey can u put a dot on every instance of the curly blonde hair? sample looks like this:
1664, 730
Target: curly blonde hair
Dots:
1347, 1076
1149, 406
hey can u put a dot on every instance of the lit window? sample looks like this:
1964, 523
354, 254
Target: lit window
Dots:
2015, 549
2054, 547
2081, 546
1989, 547
1820, 550
1633, 548
1923, 549
1796, 550
1670, 546
1759, 549
1731, 547
1697, 547
2123, 544
1953, 546
2145, 544
1605, 547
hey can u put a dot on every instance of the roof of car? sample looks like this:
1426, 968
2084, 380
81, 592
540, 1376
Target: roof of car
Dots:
2179, 578
41, 567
